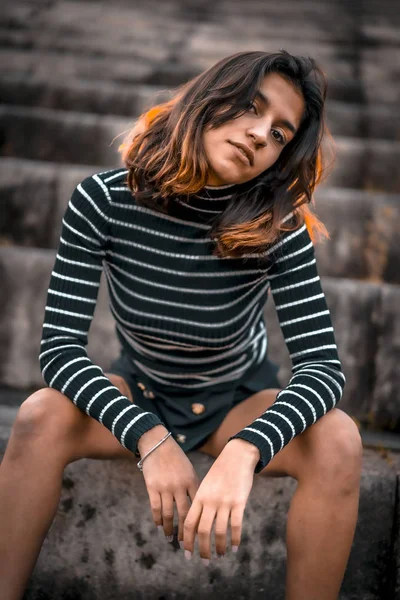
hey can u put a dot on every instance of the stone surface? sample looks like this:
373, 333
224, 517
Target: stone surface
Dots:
60, 136
385, 401
364, 228
25, 274
396, 546
33, 218
103, 543
351, 41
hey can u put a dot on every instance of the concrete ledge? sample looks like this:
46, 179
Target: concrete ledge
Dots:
103, 543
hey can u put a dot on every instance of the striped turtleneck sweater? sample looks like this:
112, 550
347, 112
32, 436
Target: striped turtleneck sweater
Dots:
188, 320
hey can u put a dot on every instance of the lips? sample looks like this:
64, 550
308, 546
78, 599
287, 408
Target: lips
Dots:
244, 151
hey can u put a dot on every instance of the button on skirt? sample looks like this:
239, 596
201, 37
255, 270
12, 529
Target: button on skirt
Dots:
193, 416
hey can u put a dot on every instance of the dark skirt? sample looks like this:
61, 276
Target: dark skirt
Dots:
193, 416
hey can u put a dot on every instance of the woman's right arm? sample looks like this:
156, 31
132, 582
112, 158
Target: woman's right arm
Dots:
71, 301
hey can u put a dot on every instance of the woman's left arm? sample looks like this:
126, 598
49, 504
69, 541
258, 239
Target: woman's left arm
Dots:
316, 386
317, 381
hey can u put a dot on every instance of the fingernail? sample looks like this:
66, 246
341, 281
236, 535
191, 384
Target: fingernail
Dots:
220, 555
188, 554
235, 548
159, 527
169, 538
182, 544
205, 561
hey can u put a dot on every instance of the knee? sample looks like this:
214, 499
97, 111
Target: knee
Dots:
337, 451
46, 414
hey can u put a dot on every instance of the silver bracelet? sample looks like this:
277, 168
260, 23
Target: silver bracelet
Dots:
140, 463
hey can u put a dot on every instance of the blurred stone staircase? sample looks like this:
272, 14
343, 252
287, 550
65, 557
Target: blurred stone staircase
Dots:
73, 76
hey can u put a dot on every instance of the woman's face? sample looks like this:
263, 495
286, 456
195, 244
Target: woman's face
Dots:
261, 129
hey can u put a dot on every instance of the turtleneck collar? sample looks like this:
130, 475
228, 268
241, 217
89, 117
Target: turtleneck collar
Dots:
208, 203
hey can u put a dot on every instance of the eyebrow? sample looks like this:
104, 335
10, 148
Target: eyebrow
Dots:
266, 101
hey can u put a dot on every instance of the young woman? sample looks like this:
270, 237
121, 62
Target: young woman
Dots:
209, 213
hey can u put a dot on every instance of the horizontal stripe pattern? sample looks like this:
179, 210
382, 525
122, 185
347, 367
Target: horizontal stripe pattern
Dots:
70, 306
188, 319
317, 381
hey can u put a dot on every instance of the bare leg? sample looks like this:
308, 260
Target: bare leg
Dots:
49, 433
29, 497
319, 536
323, 511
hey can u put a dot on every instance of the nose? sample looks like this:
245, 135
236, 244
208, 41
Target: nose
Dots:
259, 137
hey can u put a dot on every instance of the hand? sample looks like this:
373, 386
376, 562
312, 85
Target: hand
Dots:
169, 475
222, 493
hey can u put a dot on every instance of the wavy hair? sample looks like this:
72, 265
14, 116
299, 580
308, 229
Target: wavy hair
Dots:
165, 157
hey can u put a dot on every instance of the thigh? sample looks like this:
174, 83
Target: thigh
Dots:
285, 463
94, 440
239, 417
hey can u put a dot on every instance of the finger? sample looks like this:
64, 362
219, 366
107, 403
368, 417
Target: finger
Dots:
236, 525
221, 527
192, 491
155, 507
167, 501
183, 506
204, 531
190, 525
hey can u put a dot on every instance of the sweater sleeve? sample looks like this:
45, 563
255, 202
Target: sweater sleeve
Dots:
71, 301
317, 380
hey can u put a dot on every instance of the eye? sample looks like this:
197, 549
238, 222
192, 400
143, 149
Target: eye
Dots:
281, 140
251, 105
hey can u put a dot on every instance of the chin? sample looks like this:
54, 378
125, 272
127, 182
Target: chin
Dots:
226, 179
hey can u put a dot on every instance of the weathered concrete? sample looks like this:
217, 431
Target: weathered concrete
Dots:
103, 543
364, 231
65, 137
395, 563
25, 274
35, 218
351, 41
385, 401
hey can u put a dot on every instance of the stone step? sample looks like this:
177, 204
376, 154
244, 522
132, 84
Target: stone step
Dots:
69, 28
362, 224
364, 228
347, 40
25, 274
34, 219
61, 136
98, 547
109, 98
364, 316
67, 137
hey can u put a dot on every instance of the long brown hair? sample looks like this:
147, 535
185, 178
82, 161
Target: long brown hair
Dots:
165, 157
